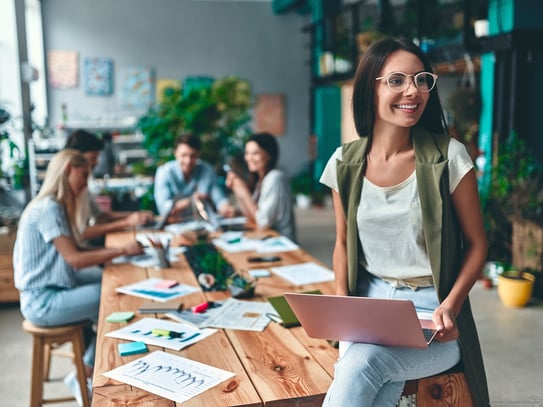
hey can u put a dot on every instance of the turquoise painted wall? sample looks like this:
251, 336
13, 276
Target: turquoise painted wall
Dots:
485, 124
505, 16
327, 124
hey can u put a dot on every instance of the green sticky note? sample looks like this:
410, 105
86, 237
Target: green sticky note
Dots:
120, 316
132, 348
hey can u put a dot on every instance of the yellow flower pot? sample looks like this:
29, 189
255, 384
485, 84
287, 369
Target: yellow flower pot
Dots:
515, 291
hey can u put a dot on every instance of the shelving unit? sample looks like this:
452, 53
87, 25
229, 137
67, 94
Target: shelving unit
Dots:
127, 141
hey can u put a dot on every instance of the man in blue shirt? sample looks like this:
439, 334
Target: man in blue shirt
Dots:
188, 176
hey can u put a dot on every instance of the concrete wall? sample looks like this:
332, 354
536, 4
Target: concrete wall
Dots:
181, 38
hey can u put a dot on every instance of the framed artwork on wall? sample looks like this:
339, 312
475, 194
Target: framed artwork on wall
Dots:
269, 114
137, 88
63, 69
163, 84
98, 76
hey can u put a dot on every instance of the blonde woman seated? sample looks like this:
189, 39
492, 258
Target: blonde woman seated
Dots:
50, 273
266, 199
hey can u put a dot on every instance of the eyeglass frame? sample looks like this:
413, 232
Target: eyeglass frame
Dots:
413, 75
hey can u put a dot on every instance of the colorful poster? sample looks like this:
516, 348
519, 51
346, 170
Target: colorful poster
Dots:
98, 76
137, 88
163, 84
63, 69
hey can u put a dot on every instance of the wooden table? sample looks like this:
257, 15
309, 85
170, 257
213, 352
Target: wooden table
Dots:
276, 367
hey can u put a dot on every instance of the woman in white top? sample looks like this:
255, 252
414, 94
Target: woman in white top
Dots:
268, 203
392, 204
52, 272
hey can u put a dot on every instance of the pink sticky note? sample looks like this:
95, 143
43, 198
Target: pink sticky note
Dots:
166, 284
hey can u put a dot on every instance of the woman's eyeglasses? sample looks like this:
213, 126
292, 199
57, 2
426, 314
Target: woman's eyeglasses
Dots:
398, 81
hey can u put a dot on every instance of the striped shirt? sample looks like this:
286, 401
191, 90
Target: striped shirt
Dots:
36, 262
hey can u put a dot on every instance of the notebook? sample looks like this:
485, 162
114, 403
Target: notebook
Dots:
360, 319
287, 318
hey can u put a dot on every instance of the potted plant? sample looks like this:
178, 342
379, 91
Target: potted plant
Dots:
217, 113
514, 198
301, 186
515, 288
240, 287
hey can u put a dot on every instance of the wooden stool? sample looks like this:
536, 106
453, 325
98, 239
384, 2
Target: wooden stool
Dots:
44, 339
448, 389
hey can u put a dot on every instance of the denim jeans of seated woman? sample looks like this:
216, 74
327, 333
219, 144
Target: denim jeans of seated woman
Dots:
368, 375
54, 306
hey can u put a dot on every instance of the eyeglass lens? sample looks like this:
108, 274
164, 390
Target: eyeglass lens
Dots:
398, 81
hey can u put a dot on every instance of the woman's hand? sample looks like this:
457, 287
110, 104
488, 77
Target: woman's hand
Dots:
132, 248
139, 218
445, 322
235, 183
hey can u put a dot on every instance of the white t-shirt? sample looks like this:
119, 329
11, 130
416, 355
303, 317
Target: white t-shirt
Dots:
390, 218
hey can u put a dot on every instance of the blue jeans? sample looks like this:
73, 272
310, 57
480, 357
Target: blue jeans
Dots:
368, 375
55, 306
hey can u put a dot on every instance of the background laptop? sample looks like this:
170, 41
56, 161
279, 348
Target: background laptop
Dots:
360, 319
160, 222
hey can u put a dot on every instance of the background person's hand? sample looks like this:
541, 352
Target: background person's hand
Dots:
226, 210
138, 218
133, 248
235, 183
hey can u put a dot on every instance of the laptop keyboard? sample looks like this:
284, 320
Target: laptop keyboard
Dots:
428, 333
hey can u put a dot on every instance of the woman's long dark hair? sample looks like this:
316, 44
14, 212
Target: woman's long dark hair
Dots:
369, 68
268, 143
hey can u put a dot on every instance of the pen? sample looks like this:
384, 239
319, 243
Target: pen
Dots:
237, 240
165, 332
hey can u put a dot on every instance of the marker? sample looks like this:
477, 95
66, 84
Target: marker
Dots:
165, 332
200, 307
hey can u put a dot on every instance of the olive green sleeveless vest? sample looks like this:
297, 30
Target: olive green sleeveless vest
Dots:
441, 231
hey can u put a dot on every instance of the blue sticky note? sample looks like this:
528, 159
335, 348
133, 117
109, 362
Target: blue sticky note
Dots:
256, 273
132, 348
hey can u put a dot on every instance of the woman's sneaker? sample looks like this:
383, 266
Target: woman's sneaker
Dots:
73, 384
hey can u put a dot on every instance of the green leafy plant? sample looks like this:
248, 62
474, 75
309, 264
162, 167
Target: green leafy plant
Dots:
302, 183
515, 192
218, 114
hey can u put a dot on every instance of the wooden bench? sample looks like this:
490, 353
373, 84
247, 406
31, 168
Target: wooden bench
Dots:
445, 389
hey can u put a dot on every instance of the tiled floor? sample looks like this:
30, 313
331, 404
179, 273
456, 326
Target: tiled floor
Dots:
512, 339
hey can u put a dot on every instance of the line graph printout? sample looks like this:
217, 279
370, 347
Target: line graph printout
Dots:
169, 376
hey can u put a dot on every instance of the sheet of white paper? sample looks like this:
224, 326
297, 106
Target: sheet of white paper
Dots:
180, 228
239, 220
148, 259
169, 376
141, 330
304, 273
242, 315
149, 289
234, 242
276, 244
196, 319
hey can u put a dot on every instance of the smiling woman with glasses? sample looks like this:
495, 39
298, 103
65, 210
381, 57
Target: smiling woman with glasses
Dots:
408, 227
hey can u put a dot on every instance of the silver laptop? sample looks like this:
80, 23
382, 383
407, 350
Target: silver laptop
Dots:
360, 319
161, 221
